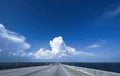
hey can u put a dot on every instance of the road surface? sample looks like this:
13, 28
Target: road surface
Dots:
54, 70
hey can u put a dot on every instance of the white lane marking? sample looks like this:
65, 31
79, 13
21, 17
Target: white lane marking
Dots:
65, 70
48, 70
77, 69
52, 69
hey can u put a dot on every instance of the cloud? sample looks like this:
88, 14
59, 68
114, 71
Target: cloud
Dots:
58, 50
0, 50
113, 13
93, 46
11, 42
18, 53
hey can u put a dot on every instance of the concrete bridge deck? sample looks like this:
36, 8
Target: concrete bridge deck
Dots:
56, 70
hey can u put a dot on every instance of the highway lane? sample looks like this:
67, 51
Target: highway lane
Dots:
22, 71
51, 71
73, 72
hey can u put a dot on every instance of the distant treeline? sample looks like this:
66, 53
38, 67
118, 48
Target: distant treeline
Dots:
11, 65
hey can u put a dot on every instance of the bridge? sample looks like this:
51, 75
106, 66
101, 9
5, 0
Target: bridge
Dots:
56, 70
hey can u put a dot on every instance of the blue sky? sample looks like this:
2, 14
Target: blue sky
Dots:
51, 30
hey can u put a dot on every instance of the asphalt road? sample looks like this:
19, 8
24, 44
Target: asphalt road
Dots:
74, 72
50, 70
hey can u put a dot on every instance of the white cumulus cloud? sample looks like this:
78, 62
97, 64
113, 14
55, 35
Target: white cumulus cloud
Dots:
58, 49
11, 42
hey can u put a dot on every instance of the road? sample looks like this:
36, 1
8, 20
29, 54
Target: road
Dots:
73, 72
48, 70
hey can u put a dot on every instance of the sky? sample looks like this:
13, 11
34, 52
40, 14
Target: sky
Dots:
60, 30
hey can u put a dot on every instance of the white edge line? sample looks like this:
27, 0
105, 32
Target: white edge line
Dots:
65, 71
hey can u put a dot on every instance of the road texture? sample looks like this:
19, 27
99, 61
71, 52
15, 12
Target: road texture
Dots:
54, 70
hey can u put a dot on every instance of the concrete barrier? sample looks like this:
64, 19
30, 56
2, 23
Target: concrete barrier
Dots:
93, 72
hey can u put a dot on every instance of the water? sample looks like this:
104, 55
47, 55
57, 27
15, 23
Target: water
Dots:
112, 67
